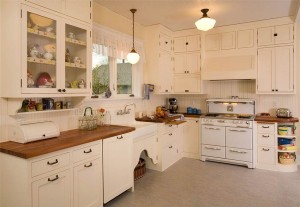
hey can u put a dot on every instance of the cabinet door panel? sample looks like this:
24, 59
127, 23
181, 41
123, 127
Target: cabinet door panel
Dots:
193, 43
245, 38
117, 166
285, 34
165, 42
265, 36
180, 63
166, 71
180, 44
228, 40
187, 84
266, 155
191, 138
56, 5
54, 190
284, 68
193, 63
264, 70
169, 155
212, 42
79, 9
88, 184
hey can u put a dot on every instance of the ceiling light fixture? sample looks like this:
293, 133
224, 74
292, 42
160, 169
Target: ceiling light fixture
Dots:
133, 57
205, 22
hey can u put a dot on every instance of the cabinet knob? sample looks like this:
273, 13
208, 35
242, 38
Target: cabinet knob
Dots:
186, 43
170, 147
197, 121
188, 71
275, 34
63, 90
273, 90
59, 90
166, 90
166, 42
186, 90
170, 134
121, 137
276, 89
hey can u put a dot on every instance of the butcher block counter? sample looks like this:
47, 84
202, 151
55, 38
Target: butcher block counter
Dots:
66, 139
275, 119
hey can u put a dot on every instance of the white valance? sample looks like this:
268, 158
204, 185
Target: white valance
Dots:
116, 44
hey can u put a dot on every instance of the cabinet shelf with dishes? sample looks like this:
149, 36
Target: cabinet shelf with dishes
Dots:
74, 41
41, 33
74, 65
41, 61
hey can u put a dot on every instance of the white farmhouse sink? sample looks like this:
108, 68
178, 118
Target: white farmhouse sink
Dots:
143, 129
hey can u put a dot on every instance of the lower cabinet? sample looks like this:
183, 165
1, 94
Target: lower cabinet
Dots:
191, 138
53, 190
117, 165
88, 184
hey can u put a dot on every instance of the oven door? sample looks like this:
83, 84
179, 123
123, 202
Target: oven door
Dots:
213, 135
239, 138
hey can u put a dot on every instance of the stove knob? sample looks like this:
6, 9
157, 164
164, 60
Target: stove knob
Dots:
247, 122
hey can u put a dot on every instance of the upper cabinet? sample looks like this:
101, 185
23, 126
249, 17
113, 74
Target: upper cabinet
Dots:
187, 43
79, 9
55, 53
228, 40
165, 42
281, 34
245, 38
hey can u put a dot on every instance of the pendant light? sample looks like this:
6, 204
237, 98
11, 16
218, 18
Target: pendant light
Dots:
205, 22
133, 57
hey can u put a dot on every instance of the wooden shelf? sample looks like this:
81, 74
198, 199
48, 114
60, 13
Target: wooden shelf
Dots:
75, 65
45, 111
287, 150
286, 136
41, 61
76, 42
41, 33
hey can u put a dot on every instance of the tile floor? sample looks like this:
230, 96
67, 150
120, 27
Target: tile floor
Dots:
192, 183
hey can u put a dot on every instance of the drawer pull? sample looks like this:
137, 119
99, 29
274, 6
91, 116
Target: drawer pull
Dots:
51, 180
212, 128
86, 152
213, 148
90, 165
265, 136
241, 152
221, 121
121, 137
235, 130
171, 147
170, 134
264, 149
170, 125
52, 163
266, 127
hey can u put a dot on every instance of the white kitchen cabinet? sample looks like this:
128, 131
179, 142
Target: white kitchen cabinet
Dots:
117, 165
245, 38
228, 40
281, 34
275, 70
191, 138
187, 43
160, 64
79, 9
187, 84
53, 190
88, 184
188, 63
170, 149
65, 178
42, 37
212, 42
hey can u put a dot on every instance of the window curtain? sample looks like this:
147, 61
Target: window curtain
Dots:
115, 44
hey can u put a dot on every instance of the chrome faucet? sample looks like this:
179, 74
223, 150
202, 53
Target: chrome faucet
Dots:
125, 110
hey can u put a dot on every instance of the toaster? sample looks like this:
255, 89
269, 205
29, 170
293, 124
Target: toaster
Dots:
283, 113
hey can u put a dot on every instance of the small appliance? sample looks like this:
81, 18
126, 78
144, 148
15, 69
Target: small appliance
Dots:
173, 107
283, 113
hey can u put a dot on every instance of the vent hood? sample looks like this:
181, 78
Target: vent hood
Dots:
230, 67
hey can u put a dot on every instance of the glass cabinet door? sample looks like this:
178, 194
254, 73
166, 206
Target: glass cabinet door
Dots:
40, 59
77, 60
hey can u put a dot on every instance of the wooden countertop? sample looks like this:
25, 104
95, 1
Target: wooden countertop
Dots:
275, 119
66, 139
191, 115
158, 120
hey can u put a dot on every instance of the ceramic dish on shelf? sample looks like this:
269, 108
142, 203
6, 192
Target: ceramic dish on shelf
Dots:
40, 20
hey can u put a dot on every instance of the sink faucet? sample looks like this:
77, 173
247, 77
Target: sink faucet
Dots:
126, 111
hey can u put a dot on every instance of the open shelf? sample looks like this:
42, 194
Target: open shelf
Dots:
287, 136
46, 111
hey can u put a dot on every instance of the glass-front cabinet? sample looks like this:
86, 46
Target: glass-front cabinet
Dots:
55, 54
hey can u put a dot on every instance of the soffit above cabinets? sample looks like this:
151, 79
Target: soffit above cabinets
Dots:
182, 14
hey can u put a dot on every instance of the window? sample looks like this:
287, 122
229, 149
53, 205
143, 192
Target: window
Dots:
100, 73
124, 77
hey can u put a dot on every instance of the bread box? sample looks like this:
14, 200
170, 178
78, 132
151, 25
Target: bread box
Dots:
29, 132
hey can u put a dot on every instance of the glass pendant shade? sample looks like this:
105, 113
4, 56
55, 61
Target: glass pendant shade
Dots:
133, 57
205, 23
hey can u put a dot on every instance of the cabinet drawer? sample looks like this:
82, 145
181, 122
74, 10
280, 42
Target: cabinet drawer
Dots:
266, 155
87, 152
239, 154
49, 164
167, 127
168, 138
265, 139
213, 151
269, 128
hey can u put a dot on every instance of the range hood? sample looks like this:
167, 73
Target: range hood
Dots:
229, 68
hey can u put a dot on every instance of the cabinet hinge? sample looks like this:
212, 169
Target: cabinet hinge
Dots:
90, 34
21, 83
21, 13
156, 157
90, 15
90, 4
156, 139
90, 84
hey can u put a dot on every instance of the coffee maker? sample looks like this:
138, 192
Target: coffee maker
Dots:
173, 105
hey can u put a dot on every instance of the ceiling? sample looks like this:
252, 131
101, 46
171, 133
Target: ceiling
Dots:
182, 14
